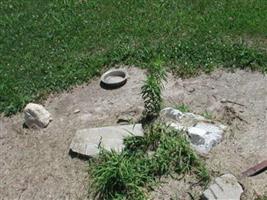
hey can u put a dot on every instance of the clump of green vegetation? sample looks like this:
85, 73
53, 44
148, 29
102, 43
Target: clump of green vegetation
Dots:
151, 90
129, 174
119, 175
261, 198
183, 108
171, 151
207, 115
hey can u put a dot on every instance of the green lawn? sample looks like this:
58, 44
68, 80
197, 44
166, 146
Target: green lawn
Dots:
51, 45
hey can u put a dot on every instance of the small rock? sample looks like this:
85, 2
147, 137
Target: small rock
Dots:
88, 141
225, 187
130, 116
124, 121
171, 113
191, 89
36, 116
76, 111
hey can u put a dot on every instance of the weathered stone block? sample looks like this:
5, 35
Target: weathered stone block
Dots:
225, 187
88, 141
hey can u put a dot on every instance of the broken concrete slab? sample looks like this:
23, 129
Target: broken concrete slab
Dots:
224, 187
36, 116
197, 135
210, 128
176, 116
204, 134
88, 141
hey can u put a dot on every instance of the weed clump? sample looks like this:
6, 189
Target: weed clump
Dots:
119, 176
130, 174
151, 90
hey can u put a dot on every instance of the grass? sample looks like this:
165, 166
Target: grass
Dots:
261, 198
208, 115
51, 45
119, 175
182, 107
131, 173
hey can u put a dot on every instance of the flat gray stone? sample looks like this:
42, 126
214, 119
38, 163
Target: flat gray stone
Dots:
225, 187
88, 141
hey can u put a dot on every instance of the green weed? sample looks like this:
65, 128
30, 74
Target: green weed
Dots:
119, 175
207, 115
183, 108
261, 198
130, 174
151, 90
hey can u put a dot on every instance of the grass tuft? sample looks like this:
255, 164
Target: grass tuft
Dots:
183, 108
130, 174
262, 197
118, 176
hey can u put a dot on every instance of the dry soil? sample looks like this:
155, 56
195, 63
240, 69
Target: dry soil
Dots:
35, 164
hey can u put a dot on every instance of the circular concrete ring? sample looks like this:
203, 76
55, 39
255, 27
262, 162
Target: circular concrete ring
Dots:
114, 78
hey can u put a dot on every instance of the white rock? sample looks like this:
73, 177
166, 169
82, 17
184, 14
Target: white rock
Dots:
176, 114
36, 115
211, 128
225, 187
194, 116
88, 141
197, 135
76, 111
204, 136
171, 113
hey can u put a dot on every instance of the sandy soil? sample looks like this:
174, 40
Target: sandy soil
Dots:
35, 164
238, 100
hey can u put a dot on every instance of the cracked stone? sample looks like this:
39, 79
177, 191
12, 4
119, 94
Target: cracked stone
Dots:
224, 187
88, 141
204, 134
197, 135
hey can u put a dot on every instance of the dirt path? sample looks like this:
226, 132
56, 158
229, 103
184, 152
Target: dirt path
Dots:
36, 164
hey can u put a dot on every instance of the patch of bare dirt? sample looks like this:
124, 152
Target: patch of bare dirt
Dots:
36, 164
238, 100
